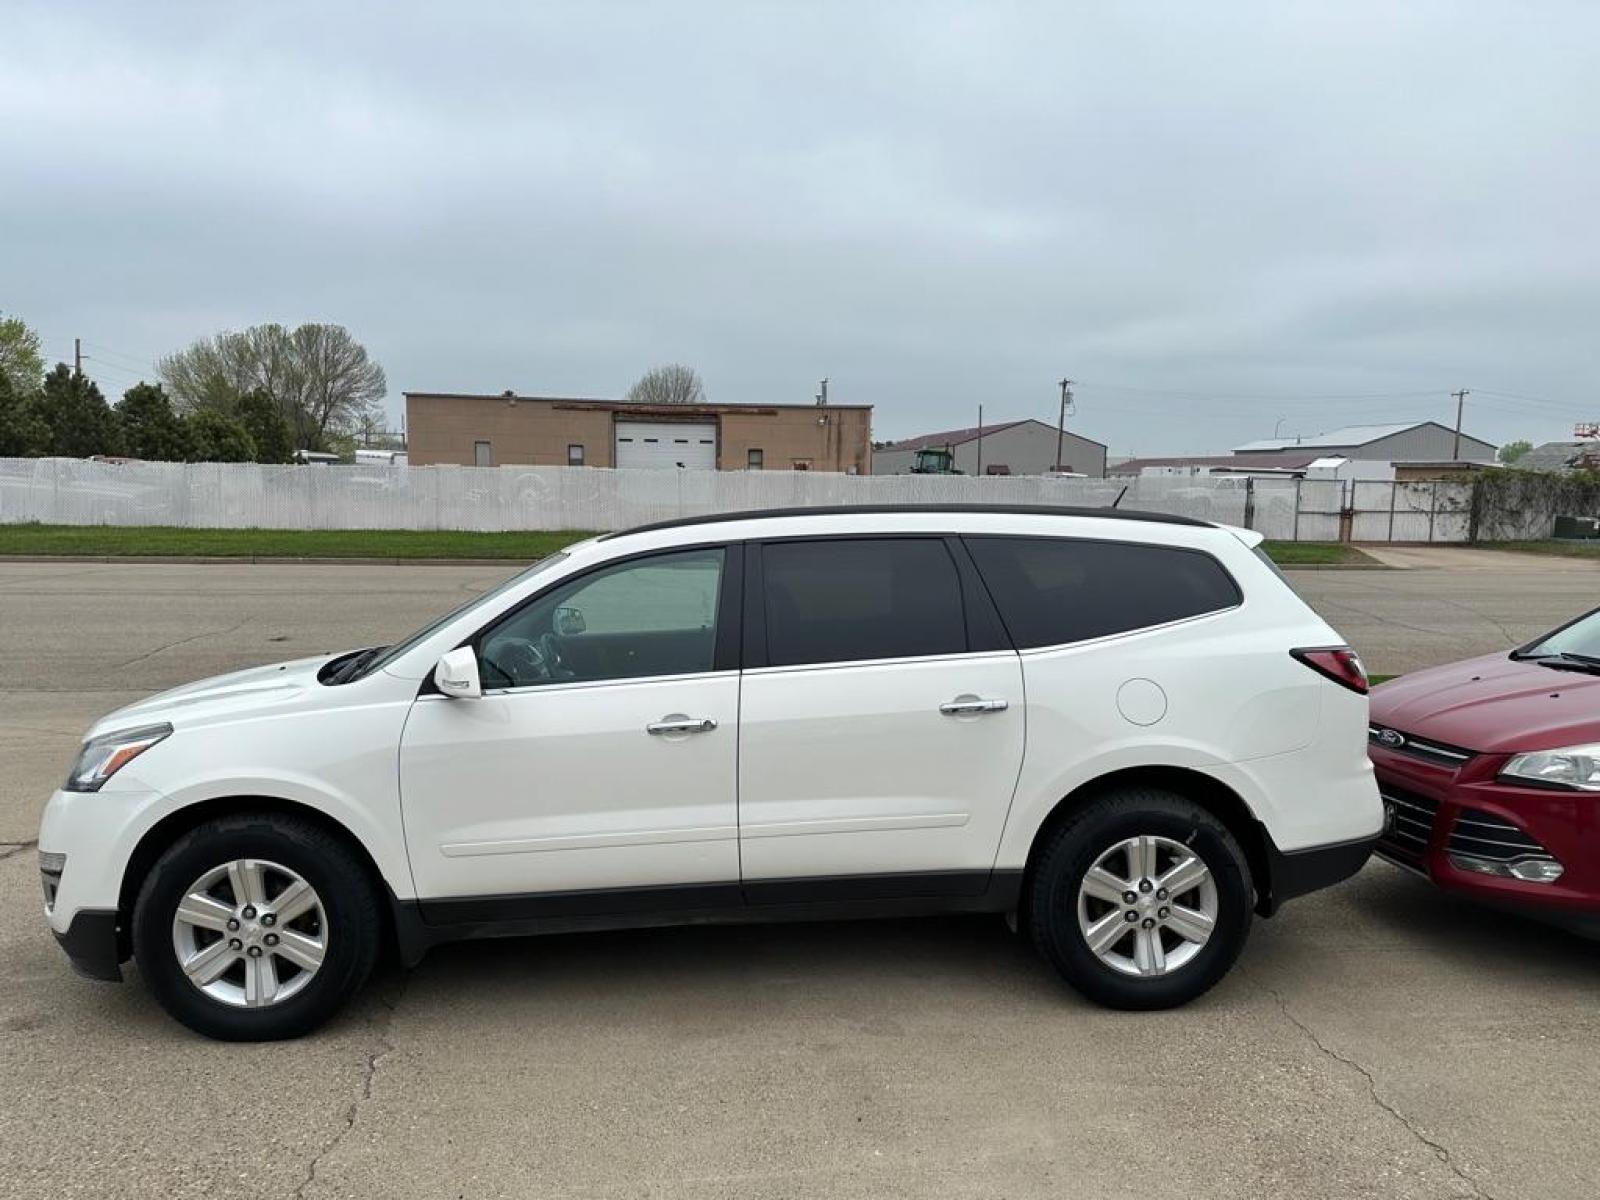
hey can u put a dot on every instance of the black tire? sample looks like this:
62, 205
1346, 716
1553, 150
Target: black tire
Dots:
1088, 834
322, 859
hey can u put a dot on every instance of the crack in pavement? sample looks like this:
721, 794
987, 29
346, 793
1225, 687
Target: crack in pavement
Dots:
382, 1050
12, 849
1440, 1152
193, 637
1379, 618
1504, 632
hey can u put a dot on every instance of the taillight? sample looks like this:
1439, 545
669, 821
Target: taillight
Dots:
1339, 663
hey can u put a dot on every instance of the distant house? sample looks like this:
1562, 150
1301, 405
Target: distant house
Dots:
1561, 456
1025, 447
1407, 441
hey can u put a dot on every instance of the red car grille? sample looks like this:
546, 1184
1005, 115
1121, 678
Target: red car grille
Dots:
1484, 835
1407, 826
1404, 743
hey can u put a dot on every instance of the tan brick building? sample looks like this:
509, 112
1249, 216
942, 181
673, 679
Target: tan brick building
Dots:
508, 430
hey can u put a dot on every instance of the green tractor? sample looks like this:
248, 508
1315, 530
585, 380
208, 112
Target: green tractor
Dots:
935, 461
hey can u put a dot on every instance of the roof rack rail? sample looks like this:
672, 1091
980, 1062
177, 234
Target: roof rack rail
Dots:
846, 510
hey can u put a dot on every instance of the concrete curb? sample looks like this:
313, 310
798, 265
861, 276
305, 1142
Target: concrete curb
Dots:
1371, 566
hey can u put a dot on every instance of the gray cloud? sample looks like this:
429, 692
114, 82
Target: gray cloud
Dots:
1215, 216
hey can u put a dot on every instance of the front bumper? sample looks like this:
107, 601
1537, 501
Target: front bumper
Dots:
1446, 815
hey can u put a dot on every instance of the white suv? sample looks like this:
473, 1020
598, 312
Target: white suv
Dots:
1123, 729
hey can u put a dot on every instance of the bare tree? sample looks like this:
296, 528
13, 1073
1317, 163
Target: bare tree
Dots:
671, 384
321, 378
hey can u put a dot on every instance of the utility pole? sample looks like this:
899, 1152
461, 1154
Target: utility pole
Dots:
77, 356
1061, 423
1461, 400
979, 471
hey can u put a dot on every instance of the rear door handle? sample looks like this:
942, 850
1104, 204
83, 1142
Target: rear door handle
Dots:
681, 725
963, 705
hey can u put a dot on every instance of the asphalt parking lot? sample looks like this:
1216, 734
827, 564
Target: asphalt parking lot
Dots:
1378, 1039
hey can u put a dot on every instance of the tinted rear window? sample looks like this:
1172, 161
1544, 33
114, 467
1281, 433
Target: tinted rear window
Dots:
865, 598
1051, 591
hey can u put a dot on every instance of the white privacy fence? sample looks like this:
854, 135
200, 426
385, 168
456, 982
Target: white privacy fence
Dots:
1361, 510
60, 491
250, 495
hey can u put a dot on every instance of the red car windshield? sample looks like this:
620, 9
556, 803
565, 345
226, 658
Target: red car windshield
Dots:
1581, 639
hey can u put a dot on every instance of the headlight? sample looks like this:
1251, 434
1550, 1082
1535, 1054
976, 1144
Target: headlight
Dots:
104, 756
1575, 767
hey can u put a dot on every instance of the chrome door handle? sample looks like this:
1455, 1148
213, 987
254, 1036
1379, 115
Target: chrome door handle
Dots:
681, 725
962, 705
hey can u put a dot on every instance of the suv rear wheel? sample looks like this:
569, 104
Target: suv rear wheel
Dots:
1141, 900
255, 928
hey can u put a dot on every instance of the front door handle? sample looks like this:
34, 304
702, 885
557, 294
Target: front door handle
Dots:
963, 705
681, 725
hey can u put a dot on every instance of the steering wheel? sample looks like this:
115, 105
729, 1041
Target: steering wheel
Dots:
550, 651
520, 661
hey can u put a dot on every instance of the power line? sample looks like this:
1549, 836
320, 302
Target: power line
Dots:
1279, 397
101, 351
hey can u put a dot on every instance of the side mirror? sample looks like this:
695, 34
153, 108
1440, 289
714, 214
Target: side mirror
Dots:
457, 674
568, 621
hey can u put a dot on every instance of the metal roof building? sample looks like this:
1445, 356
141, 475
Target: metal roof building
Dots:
1410, 441
1026, 447
1561, 456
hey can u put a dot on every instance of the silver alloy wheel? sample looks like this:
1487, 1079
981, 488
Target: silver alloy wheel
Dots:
1147, 906
250, 933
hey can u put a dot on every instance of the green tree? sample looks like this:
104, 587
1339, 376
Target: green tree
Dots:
80, 421
258, 412
20, 362
150, 429
217, 437
321, 378
1511, 451
23, 433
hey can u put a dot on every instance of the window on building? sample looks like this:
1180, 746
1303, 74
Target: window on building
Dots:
482, 454
574, 455
863, 598
1051, 591
802, 464
753, 459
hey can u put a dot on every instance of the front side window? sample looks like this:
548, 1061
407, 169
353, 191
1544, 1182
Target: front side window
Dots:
648, 616
1051, 591
865, 598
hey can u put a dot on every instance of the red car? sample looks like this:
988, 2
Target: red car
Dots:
1490, 775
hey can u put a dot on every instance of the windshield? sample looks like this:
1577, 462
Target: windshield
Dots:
1580, 639
377, 659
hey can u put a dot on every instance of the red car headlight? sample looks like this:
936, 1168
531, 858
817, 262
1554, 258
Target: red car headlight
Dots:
1575, 767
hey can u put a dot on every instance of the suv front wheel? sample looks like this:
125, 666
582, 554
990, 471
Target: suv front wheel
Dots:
256, 927
1141, 899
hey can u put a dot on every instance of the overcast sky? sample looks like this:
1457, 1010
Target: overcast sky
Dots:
1220, 218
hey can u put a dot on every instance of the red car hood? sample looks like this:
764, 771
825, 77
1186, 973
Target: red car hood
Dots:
1493, 704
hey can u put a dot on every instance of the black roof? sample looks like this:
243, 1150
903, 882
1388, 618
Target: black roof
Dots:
846, 510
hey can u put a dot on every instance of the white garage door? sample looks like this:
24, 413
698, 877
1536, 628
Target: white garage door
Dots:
666, 444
